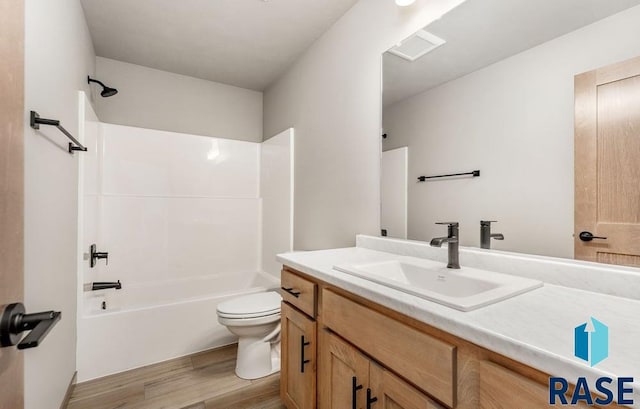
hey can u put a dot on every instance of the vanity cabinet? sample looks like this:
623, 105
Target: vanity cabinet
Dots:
299, 292
420, 358
502, 388
371, 357
299, 341
392, 392
343, 374
349, 379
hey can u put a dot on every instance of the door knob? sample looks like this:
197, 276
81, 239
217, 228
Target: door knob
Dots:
588, 236
14, 322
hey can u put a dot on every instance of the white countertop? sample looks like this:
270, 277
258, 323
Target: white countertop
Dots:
535, 328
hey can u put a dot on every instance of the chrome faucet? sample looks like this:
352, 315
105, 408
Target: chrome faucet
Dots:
486, 235
452, 241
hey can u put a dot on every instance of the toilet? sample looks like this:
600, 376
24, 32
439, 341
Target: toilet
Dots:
255, 319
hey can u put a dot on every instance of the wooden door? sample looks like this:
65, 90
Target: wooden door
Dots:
391, 392
344, 374
11, 187
298, 374
607, 164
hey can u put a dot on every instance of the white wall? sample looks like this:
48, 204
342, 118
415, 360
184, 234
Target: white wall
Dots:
154, 99
59, 56
514, 121
276, 191
332, 97
170, 206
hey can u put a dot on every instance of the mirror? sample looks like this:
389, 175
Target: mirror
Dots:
490, 87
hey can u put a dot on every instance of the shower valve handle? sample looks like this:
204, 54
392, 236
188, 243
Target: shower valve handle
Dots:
96, 255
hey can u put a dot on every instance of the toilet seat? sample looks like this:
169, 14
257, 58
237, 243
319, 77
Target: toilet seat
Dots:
248, 322
252, 305
249, 315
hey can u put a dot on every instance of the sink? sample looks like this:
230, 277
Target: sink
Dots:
465, 289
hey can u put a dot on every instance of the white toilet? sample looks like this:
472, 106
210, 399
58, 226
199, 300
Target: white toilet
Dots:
255, 319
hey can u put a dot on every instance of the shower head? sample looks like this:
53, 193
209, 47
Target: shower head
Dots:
106, 91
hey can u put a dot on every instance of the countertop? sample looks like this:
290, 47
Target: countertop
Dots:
535, 328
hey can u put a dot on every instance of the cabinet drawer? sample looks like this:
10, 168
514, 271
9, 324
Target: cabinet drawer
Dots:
501, 388
299, 292
427, 362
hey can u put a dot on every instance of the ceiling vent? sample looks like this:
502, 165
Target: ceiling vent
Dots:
417, 45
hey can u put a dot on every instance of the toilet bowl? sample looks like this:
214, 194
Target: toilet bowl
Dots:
255, 319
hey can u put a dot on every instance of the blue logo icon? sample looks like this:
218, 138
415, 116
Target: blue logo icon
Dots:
591, 342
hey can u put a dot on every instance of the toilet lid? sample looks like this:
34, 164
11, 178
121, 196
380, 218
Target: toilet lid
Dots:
252, 305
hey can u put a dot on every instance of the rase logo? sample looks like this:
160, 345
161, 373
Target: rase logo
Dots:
591, 344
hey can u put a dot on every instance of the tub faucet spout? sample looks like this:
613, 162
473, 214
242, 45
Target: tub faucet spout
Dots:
102, 285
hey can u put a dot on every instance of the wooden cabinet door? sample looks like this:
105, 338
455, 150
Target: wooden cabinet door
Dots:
607, 146
298, 369
387, 391
343, 374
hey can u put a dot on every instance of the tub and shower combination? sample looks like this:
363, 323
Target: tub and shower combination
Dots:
188, 222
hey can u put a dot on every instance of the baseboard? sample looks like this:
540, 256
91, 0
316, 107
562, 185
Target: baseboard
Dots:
67, 396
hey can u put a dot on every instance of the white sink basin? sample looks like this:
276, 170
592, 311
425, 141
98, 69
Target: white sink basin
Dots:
465, 289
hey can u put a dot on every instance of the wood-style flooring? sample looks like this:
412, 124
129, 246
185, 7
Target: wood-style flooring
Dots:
201, 381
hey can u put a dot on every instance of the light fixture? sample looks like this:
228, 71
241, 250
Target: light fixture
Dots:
403, 3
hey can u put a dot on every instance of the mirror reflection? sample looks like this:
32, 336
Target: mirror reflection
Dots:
542, 99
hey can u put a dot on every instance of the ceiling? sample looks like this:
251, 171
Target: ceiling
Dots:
482, 32
246, 43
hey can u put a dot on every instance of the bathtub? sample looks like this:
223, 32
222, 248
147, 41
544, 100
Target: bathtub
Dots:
144, 324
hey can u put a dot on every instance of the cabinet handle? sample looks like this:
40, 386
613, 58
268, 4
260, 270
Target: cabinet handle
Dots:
354, 389
370, 399
291, 291
302, 360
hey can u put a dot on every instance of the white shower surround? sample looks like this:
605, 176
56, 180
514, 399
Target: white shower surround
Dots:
182, 219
